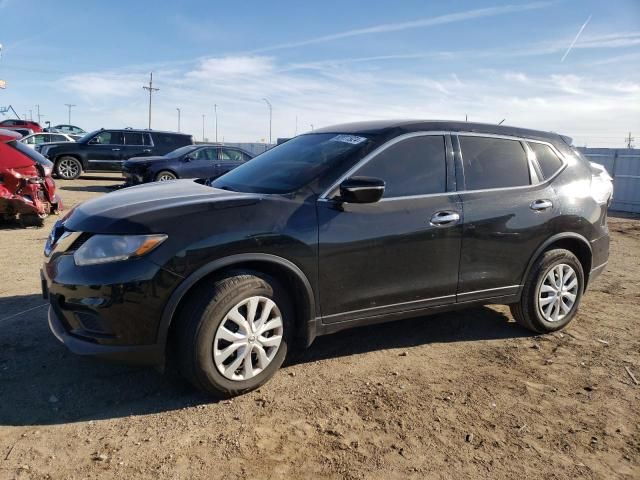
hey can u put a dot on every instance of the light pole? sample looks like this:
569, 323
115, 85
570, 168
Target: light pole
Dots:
312, 127
203, 115
270, 116
69, 106
215, 113
178, 119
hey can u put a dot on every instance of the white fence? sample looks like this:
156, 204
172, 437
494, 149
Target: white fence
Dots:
623, 165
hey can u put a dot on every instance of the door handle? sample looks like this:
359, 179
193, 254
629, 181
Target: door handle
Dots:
541, 205
445, 218
115, 149
147, 150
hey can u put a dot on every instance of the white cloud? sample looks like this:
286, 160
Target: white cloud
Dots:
345, 92
421, 23
232, 67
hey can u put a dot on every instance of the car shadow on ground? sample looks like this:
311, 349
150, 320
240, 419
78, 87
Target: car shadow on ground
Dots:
42, 383
89, 188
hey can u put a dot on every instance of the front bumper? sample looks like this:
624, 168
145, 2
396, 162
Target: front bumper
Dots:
152, 355
110, 310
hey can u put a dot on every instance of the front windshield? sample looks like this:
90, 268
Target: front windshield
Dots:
178, 152
293, 164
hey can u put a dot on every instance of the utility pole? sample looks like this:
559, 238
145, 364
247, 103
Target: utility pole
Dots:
296, 132
38, 113
178, 119
203, 115
151, 90
69, 106
312, 127
215, 113
629, 140
270, 116
31, 115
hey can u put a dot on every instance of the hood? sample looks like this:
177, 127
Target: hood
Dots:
152, 207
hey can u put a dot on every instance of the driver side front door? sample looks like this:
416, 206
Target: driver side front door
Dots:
396, 254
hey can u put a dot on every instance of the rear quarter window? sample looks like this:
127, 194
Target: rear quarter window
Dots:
169, 142
493, 163
547, 159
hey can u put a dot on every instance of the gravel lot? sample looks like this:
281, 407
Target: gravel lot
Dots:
460, 395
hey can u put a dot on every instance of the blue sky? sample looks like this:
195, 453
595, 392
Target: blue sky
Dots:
327, 62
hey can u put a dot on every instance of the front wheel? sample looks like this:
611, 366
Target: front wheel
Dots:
165, 176
552, 292
233, 334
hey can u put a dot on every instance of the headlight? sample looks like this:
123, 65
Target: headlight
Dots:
115, 248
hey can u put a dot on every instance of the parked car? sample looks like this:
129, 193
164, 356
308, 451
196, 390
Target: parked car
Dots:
62, 128
16, 123
192, 161
348, 225
107, 150
46, 137
27, 190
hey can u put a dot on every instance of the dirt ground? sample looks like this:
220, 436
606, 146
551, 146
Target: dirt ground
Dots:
460, 395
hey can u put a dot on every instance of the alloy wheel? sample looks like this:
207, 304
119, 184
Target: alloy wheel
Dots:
558, 292
68, 168
248, 338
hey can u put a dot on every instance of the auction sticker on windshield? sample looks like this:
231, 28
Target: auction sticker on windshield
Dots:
352, 139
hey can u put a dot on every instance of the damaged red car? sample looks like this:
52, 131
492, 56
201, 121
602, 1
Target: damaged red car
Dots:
27, 191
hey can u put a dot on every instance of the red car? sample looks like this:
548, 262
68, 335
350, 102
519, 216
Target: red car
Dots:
17, 124
27, 191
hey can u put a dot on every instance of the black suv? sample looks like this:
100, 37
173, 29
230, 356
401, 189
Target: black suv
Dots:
106, 150
346, 226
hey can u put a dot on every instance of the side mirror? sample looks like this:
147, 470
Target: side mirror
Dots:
361, 190
187, 158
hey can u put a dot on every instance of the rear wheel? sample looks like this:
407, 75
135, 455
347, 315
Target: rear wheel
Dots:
165, 176
233, 334
68, 168
552, 293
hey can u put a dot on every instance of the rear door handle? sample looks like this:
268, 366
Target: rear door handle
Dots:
115, 149
541, 205
445, 218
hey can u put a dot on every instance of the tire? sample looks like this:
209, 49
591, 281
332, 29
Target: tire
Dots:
539, 308
68, 168
165, 175
204, 319
33, 220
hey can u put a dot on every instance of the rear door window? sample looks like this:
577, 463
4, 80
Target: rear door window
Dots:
547, 159
133, 138
415, 166
493, 163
